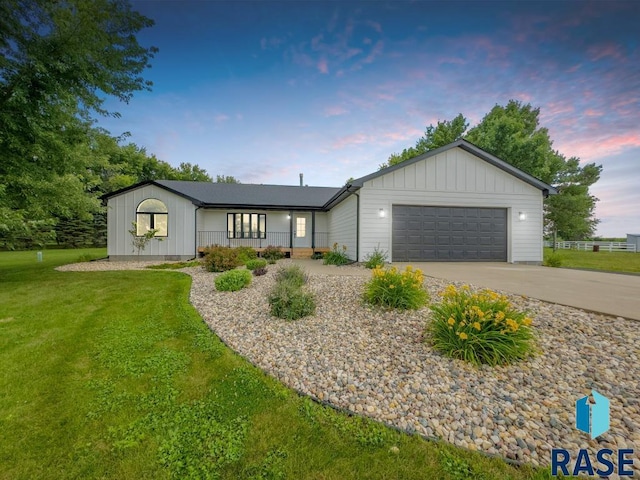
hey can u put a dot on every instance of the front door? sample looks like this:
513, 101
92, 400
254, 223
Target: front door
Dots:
302, 230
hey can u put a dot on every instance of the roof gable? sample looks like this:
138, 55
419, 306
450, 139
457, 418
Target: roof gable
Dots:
470, 148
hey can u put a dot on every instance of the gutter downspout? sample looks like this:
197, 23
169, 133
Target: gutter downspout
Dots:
357, 194
195, 231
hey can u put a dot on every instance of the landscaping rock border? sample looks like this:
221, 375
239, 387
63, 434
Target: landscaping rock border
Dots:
376, 363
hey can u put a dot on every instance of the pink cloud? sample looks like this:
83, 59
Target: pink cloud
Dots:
452, 60
381, 138
375, 25
322, 66
350, 141
316, 42
598, 52
592, 148
335, 110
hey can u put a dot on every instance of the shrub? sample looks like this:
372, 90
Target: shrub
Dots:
260, 271
220, 259
375, 259
481, 327
271, 254
317, 256
233, 281
256, 263
553, 259
336, 257
246, 253
293, 275
291, 302
391, 288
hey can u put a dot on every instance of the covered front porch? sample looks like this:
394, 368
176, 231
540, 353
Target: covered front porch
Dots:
297, 234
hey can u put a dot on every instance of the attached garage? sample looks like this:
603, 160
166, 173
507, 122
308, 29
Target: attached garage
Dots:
448, 234
457, 203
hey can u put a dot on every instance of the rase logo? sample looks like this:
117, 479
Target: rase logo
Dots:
592, 417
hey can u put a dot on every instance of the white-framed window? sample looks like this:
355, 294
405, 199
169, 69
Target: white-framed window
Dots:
152, 213
301, 227
246, 225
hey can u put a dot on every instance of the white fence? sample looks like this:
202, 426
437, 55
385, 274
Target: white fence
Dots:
603, 246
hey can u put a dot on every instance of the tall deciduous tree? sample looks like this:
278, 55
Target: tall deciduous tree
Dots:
513, 134
226, 179
434, 137
58, 63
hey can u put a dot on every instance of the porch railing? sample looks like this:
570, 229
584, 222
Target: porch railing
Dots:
277, 239
321, 240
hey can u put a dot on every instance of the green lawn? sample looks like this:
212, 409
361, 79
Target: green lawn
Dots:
114, 375
610, 261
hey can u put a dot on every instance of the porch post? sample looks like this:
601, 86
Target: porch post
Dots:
290, 229
313, 231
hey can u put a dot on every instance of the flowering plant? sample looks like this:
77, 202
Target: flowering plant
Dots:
391, 288
481, 327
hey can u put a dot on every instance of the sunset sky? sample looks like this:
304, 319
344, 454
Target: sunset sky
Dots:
266, 90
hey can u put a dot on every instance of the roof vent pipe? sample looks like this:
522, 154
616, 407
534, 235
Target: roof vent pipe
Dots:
301, 176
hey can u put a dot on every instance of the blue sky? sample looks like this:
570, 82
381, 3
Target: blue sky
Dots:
266, 90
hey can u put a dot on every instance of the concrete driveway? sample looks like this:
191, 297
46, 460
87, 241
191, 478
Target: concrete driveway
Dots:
610, 293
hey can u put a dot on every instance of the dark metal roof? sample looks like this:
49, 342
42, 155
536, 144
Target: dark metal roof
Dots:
471, 148
241, 195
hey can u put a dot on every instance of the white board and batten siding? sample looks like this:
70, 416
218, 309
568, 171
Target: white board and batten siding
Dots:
454, 178
121, 212
342, 223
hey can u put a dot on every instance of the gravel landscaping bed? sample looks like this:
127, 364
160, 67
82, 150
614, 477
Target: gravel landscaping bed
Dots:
374, 362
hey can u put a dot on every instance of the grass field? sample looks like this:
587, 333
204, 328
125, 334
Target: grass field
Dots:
609, 261
114, 375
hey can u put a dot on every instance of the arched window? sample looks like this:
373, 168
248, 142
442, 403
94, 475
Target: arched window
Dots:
152, 213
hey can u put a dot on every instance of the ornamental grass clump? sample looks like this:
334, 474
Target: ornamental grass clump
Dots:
480, 328
336, 256
391, 288
289, 299
233, 280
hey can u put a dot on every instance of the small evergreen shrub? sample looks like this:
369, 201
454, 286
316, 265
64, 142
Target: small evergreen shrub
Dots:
233, 281
553, 259
220, 259
272, 254
375, 259
480, 328
293, 274
291, 302
256, 263
260, 271
335, 256
246, 253
391, 288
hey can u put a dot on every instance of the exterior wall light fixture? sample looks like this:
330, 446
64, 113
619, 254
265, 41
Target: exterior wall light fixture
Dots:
382, 213
522, 216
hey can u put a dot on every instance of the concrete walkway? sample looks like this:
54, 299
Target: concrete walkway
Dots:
608, 293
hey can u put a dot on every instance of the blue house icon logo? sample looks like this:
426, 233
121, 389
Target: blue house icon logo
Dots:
593, 418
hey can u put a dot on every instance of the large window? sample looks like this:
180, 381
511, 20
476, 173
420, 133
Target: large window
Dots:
246, 225
152, 213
